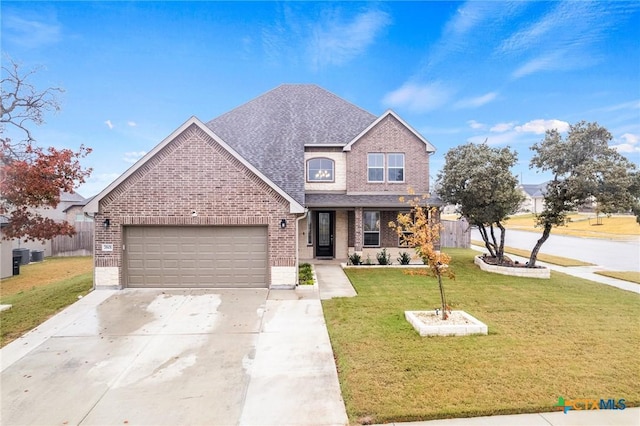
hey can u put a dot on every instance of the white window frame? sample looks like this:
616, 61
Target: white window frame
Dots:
389, 167
317, 177
365, 232
370, 167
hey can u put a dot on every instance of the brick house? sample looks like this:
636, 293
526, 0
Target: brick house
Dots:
295, 174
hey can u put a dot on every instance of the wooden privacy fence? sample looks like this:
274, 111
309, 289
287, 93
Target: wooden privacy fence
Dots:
81, 244
455, 233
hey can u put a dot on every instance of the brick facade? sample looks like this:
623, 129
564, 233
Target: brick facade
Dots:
389, 136
193, 173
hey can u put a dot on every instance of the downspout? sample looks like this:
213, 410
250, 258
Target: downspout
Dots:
298, 219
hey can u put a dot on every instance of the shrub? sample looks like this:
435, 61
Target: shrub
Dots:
384, 258
305, 275
404, 258
355, 259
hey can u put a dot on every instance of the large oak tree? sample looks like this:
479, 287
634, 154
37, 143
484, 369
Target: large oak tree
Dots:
477, 179
32, 178
585, 170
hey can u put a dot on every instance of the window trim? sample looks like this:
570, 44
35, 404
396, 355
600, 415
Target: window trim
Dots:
364, 232
369, 167
388, 169
333, 170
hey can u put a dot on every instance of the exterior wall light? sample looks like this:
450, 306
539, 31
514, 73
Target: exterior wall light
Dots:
106, 223
283, 223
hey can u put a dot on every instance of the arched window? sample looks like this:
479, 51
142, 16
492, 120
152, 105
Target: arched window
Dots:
320, 170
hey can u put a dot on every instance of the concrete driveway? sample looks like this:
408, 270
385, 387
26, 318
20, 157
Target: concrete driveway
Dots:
167, 357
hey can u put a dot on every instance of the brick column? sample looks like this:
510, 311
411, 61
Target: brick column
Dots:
358, 229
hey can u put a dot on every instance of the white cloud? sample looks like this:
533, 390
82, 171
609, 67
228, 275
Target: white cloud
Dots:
478, 101
569, 34
133, 156
502, 127
109, 124
335, 41
96, 183
31, 32
540, 126
475, 125
629, 144
556, 60
131, 123
418, 97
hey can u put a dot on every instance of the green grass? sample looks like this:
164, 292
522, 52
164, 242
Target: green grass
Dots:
31, 307
631, 276
305, 274
547, 338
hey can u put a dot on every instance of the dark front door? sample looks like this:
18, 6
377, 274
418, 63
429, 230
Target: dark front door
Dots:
324, 234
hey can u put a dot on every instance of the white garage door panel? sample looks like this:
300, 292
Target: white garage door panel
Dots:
172, 256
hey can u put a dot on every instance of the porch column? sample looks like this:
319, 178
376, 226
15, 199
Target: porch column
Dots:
358, 229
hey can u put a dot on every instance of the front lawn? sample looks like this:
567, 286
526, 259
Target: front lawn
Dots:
547, 338
40, 291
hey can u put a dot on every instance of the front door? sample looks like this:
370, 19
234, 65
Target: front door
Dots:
324, 234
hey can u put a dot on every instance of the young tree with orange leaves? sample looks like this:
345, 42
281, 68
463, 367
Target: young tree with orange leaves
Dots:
419, 229
32, 177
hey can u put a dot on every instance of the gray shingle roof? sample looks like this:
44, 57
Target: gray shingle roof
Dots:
271, 130
377, 201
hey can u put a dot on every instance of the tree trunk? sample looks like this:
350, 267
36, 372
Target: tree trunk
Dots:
536, 249
496, 247
442, 298
500, 249
485, 237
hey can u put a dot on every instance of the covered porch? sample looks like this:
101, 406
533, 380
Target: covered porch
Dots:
338, 225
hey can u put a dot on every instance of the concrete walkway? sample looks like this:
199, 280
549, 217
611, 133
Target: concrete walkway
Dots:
332, 282
294, 380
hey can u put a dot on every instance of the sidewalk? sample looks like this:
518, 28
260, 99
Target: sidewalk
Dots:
626, 417
332, 282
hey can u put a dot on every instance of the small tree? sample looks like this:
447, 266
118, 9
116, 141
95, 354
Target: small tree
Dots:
420, 230
478, 180
32, 177
585, 169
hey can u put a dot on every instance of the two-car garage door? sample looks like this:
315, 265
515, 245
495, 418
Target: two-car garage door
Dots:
196, 256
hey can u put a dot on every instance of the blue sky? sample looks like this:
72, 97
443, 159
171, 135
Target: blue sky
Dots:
456, 71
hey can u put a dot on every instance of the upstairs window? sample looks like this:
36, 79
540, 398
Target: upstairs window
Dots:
375, 167
395, 167
320, 170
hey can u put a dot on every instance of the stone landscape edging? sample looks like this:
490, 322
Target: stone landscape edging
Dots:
541, 273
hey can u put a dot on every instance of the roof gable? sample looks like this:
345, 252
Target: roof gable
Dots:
93, 204
272, 130
430, 148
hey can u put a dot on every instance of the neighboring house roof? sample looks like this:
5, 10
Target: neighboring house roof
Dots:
93, 204
374, 201
430, 148
67, 197
272, 130
535, 190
